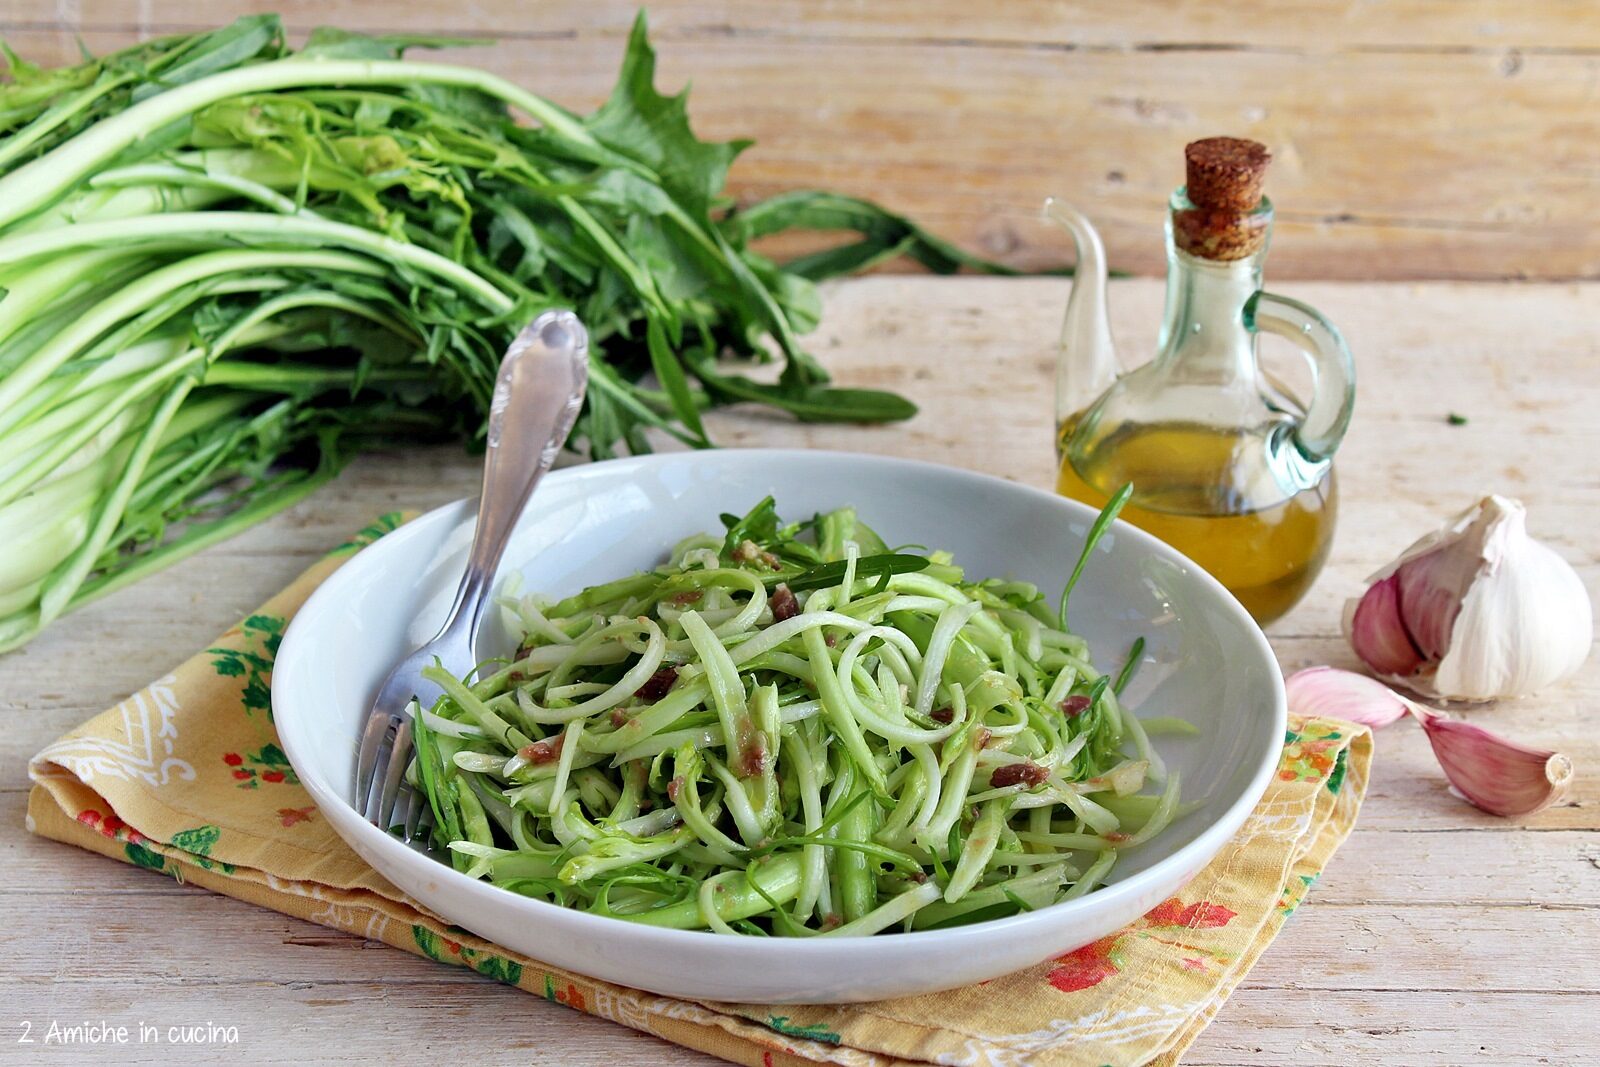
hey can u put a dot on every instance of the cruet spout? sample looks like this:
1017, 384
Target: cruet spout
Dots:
1086, 362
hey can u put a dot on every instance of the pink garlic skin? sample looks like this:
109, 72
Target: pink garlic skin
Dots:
1328, 692
1445, 620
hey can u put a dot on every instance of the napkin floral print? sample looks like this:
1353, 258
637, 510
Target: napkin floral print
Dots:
128, 782
1312, 752
1094, 963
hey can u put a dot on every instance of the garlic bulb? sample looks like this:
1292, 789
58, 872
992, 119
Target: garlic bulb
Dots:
1474, 611
1502, 777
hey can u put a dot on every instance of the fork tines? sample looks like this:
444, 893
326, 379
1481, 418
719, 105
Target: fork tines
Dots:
380, 771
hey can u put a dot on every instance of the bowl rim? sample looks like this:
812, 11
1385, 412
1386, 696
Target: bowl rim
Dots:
348, 823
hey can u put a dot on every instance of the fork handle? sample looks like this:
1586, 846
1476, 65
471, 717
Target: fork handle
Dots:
537, 396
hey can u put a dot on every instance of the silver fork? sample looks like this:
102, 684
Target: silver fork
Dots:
536, 399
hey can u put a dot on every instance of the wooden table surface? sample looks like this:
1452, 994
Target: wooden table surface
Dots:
1412, 138
1439, 935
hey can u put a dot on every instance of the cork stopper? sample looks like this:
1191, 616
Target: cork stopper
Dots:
1224, 179
1225, 173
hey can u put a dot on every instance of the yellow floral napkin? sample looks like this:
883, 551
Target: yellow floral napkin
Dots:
186, 778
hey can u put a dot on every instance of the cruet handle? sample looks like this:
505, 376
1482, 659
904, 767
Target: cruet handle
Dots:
1334, 373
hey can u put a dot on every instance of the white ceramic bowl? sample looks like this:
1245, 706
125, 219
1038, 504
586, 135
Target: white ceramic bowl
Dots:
1205, 661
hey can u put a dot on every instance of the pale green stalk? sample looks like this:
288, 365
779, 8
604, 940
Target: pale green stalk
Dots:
138, 295
895, 909
976, 849
175, 229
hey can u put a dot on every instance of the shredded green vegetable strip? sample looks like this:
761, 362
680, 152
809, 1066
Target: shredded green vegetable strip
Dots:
892, 747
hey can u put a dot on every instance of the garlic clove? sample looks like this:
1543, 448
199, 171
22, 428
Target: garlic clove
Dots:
1474, 611
1378, 633
1327, 692
1502, 777
1432, 587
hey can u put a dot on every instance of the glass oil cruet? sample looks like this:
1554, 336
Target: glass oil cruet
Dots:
1227, 467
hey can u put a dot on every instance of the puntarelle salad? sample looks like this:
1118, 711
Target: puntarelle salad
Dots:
793, 730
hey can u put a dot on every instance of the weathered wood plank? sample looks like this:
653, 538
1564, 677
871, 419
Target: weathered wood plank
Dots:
1311, 25
1383, 868
968, 123
1419, 1029
1450, 949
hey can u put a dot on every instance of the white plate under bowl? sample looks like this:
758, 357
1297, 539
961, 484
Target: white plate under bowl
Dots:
1205, 661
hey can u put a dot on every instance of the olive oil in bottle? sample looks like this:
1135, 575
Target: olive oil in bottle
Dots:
1201, 490
1226, 466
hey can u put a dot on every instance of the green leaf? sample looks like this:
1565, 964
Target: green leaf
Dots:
431, 773
1097, 530
21, 71
809, 403
670, 373
244, 39
641, 124
885, 235
682, 271
830, 574
759, 525
1129, 666
330, 42
851, 258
